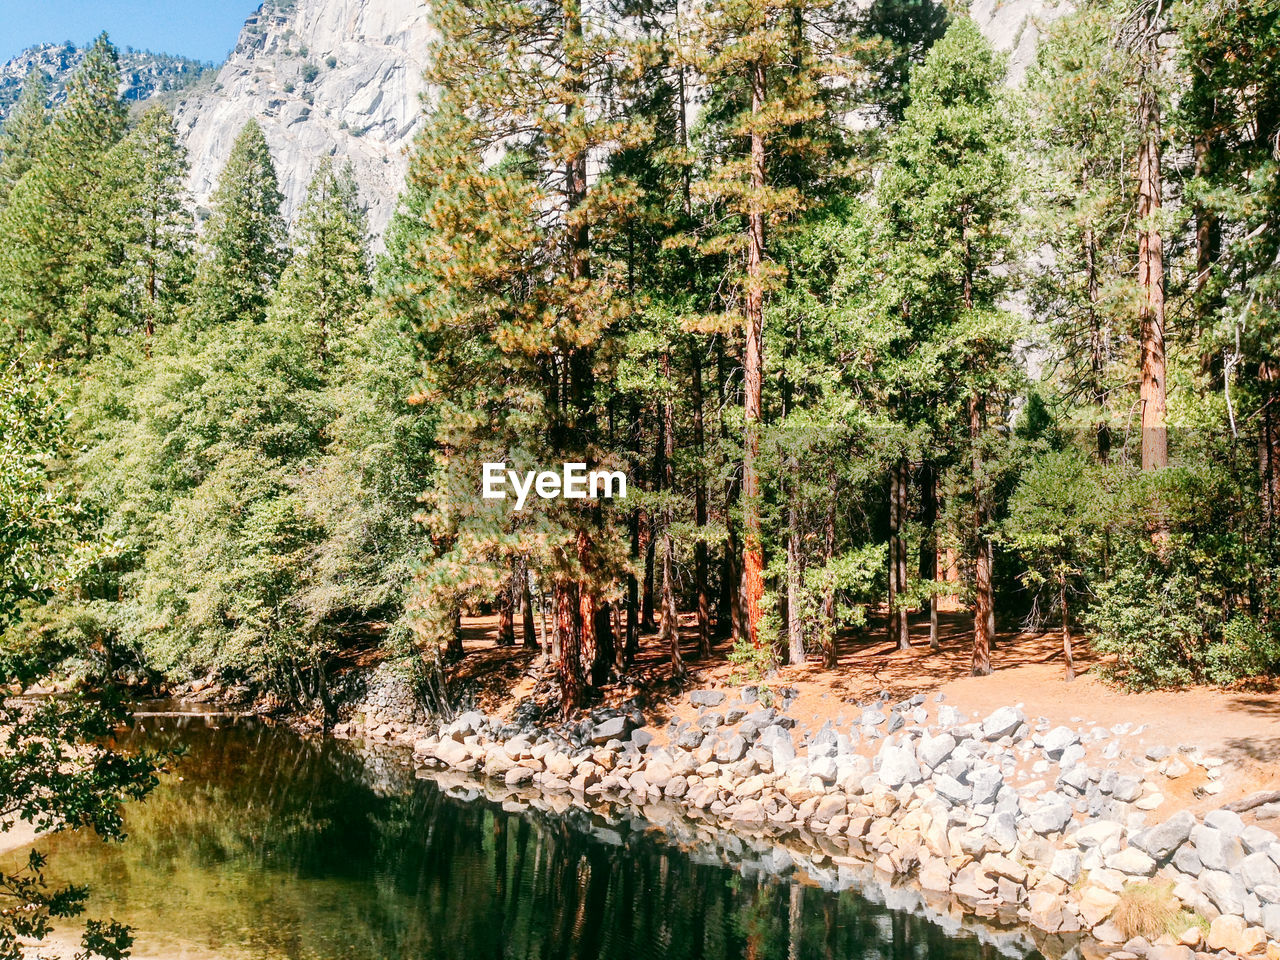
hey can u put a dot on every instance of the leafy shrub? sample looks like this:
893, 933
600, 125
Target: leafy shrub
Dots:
309, 72
1245, 650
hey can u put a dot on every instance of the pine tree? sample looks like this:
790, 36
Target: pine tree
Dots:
56, 251
150, 214
22, 135
1082, 111
511, 294
949, 199
245, 241
778, 76
326, 284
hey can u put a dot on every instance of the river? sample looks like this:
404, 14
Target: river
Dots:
264, 845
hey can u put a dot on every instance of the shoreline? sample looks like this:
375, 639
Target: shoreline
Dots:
1057, 831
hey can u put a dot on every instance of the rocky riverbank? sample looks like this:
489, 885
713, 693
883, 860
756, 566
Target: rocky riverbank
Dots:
1064, 829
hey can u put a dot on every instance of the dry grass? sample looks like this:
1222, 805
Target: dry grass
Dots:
1150, 910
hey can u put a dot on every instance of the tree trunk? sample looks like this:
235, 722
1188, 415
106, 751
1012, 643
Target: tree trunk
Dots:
829, 591
526, 609
1155, 441
929, 541
1097, 349
753, 371
454, 649
899, 633
602, 661
670, 637
507, 611
700, 512
569, 634
795, 581
1269, 448
981, 661
1066, 635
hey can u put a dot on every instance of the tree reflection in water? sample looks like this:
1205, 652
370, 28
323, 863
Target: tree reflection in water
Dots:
274, 846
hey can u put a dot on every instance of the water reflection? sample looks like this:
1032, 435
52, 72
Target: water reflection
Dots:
271, 846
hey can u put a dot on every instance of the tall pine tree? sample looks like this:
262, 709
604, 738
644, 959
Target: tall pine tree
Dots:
57, 254
245, 241
22, 135
326, 284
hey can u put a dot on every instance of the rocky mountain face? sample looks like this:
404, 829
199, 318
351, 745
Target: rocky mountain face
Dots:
343, 78
142, 74
338, 78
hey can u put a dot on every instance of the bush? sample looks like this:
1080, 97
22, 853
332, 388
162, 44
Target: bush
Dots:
1245, 650
309, 72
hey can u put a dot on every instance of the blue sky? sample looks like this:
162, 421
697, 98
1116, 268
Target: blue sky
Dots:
203, 29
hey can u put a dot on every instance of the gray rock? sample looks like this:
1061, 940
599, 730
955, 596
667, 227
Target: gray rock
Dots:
1258, 870
872, 717
709, 721
706, 698
734, 715
1057, 740
898, 766
952, 790
1066, 865
986, 781
1002, 723
1271, 920
1051, 816
1164, 839
825, 769
948, 716
824, 743
1187, 860
777, 740
1224, 891
690, 739
614, 728
1127, 789
1226, 821
935, 750
1216, 850
1158, 752
641, 739
1256, 840
1003, 829
1074, 779
895, 722
730, 749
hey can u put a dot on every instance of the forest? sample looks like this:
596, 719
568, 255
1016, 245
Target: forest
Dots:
870, 328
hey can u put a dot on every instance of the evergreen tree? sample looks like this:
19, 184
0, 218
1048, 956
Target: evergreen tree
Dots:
512, 294
779, 77
326, 285
57, 253
22, 134
948, 195
1082, 110
150, 214
245, 241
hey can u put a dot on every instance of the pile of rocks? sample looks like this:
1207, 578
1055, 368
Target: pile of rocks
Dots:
1048, 825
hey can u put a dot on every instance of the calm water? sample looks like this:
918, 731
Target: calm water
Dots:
271, 846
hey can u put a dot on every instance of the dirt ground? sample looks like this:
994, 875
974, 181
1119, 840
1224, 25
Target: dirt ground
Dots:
1241, 726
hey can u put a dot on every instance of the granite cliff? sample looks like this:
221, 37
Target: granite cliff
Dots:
338, 78
343, 78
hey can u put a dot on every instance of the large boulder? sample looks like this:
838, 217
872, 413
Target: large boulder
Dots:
1002, 723
1163, 840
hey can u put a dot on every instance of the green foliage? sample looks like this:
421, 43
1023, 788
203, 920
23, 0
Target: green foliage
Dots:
245, 239
22, 134
57, 252
56, 774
